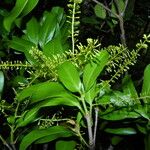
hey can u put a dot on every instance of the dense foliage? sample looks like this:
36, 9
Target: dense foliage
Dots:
74, 74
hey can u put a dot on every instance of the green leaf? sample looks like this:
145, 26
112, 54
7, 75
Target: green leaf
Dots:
29, 7
1, 82
51, 24
27, 117
65, 145
90, 95
68, 101
120, 5
49, 134
90, 20
142, 110
15, 12
100, 11
69, 76
93, 69
42, 91
114, 8
116, 140
146, 85
104, 100
121, 131
31, 115
32, 31
53, 47
24, 46
120, 99
142, 129
47, 29
59, 13
118, 114
129, 88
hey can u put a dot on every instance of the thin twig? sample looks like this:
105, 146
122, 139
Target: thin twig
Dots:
5, 143
126, 4
121, 23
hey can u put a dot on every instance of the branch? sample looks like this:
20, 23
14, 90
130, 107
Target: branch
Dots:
5, 143
106, 8
95, 127
126, 4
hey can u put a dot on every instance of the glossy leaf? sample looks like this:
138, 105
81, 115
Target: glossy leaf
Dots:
48, 29
15, 12
142, 110
42, 91
69, 76
68, 101
100, 11
65, 145
104, 100
146, 84
49, 134
27, 117
91, 94
59, 12
53, 47
120, 99
51, 24
1, 82
24, 46
129, 88
29, 7
32, 31
31, 115
93, 70
118, 114
121, 131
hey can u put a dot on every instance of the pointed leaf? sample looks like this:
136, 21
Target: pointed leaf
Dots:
90, 95
15, 12
24, 46
27, 117
59, 12
93, 70
68, 101
69, 76
141, 129
32, 31
100, 11
65, 145
29, 7
118, 114
121, 131
47, 29
31, 115
146, 84
53, 47
42, 91
52, 133
142, 110
129, 88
